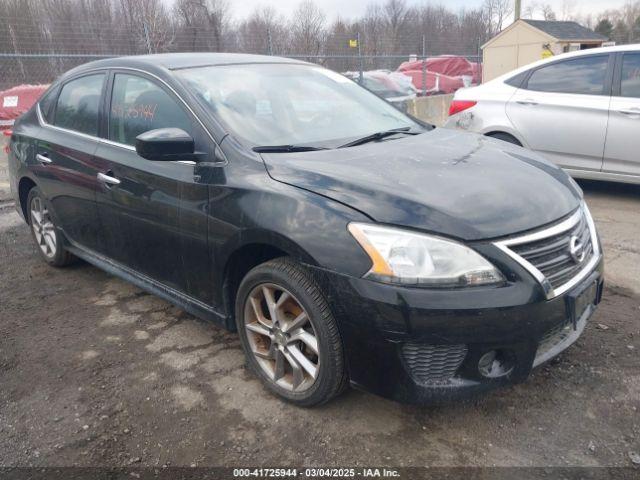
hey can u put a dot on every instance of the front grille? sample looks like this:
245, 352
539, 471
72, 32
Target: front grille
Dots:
433, 363
552, 255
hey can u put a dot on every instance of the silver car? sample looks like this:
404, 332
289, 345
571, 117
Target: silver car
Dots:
581, 110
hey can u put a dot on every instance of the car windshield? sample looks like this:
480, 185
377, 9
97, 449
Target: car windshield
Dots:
281, 104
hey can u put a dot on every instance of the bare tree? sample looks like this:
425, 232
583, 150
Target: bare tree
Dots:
629, 15
530, 10
203, 24
548, 12
496, 13
263, 31
308, 28
568, 10
396, 13
371, 28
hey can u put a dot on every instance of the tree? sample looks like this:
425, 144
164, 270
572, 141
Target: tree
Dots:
568, 10
547, 12
371, 28
605, 27
308, 28
496, 13
337, 44
395, 14
204, 24
264, 31
629, 14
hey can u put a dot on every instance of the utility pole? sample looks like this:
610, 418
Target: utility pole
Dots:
517, 10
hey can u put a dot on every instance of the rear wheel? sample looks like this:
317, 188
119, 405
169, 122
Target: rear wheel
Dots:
288, 333
44, 231
505, 137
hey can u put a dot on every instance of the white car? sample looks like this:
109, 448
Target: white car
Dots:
580, 110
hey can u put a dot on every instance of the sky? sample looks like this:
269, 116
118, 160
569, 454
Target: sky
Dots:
352, 8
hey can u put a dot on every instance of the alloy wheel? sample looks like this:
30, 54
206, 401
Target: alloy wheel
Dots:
281, 337
43, 227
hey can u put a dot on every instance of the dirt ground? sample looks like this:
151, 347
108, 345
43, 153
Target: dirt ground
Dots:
95, 372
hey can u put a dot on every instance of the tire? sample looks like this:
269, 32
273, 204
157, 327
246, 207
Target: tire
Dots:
271, 354
44, 232
505, 137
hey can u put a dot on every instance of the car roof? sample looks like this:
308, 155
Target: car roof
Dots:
564, 56
176, 61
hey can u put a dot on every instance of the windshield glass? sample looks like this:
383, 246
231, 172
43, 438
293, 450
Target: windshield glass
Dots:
280, 104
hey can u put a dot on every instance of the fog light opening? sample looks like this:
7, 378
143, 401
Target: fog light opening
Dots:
495, 364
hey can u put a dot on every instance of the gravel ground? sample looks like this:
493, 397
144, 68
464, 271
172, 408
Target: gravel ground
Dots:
95, 372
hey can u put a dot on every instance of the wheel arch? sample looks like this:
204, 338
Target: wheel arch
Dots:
25, 185
505, 131
255, 249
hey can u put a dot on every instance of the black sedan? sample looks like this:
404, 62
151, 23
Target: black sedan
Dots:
346, 242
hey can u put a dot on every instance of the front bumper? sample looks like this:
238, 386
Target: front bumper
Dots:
423, 346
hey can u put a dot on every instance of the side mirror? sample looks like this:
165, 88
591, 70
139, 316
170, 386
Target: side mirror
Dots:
166, 144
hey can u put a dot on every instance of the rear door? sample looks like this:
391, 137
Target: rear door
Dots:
64, 152
143, 204
562, 110
621, 155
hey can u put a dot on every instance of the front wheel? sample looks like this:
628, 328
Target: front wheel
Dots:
288, 333
44, 231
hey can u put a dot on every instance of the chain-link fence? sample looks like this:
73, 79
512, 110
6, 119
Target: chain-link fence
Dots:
36, 53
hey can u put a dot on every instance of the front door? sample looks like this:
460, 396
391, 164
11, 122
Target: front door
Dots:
64, 153
562, 111
623, 140
140, 202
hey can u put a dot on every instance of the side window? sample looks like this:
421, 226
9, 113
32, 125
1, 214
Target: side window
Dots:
630, 80
79, 103
584, 75
517, 80
139, 105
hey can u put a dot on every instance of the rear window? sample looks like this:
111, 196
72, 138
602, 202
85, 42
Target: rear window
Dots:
78, 104
584, 76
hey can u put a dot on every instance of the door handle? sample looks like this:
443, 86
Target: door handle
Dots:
43, 159
107, 179
527, 101
630, 111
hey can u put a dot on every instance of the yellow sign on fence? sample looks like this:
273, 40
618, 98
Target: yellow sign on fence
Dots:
353, 43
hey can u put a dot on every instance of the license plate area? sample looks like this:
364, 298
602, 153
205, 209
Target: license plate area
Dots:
578, 302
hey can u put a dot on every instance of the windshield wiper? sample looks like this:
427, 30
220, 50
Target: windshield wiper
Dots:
379, 136
286, 148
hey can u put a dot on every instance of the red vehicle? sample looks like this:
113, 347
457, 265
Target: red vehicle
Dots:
436, 83
16, 101
444, 74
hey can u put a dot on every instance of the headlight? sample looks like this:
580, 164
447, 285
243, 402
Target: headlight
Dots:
401, 256
577, 188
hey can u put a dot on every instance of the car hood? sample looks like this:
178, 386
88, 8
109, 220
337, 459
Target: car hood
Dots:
447, 182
